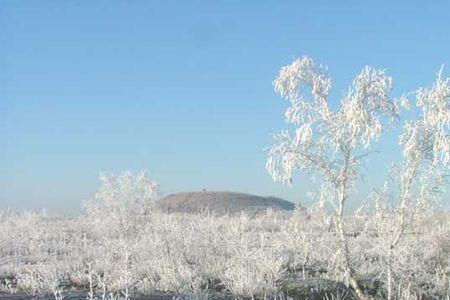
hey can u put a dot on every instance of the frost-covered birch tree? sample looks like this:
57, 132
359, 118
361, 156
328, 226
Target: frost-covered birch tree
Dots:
425, 144
125, 198
330, 143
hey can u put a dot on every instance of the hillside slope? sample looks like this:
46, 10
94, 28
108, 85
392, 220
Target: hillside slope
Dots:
220, 202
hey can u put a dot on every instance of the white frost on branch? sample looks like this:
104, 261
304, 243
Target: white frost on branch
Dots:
124, 193
323, 135
428, 137
331, 143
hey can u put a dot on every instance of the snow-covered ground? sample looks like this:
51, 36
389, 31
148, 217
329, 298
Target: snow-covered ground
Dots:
195, 255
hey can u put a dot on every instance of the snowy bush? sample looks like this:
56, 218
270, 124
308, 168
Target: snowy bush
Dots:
202, 254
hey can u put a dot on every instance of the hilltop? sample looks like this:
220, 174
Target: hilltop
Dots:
220, 202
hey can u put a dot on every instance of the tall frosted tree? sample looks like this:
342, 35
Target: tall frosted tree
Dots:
425, 144
331, 143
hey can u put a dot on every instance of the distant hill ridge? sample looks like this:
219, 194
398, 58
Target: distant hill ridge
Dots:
220, 203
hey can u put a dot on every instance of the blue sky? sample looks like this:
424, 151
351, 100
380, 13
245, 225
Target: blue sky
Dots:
183, 88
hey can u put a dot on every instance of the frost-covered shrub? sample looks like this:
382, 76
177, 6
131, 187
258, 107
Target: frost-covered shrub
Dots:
122, 202
201, 254
124, 194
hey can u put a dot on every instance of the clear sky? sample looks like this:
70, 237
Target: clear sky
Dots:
183, 88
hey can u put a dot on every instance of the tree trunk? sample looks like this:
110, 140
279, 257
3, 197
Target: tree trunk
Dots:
342, 194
